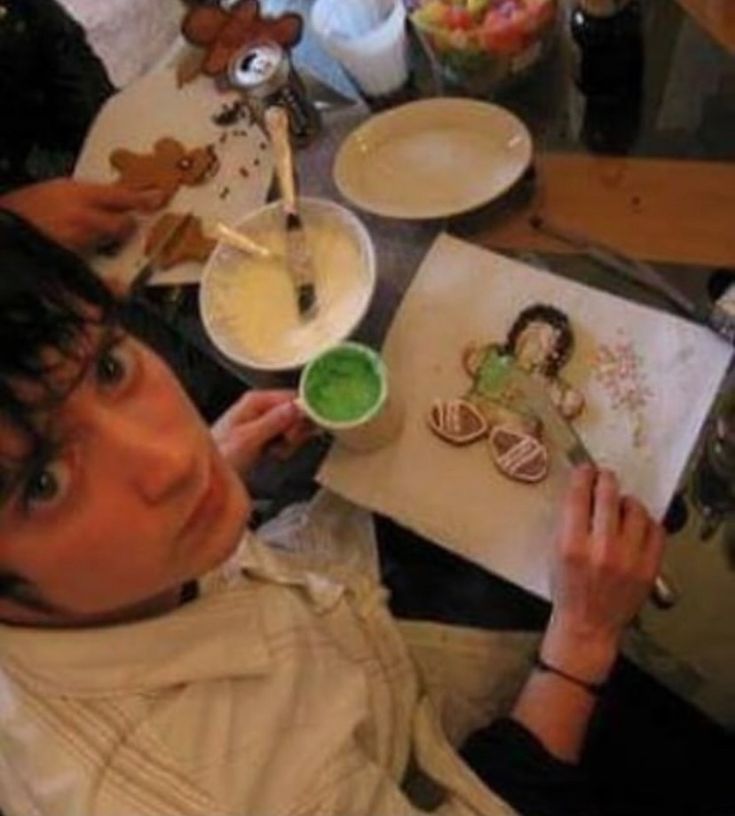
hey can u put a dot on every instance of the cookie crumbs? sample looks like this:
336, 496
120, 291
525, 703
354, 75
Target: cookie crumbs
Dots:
232, 114
257, 162
244, 172
223, 193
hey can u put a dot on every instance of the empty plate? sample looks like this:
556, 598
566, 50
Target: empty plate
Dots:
432, 158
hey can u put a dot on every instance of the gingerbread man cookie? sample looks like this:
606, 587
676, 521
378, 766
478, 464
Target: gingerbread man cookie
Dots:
193, 245
541, 342
167, 168
223, 32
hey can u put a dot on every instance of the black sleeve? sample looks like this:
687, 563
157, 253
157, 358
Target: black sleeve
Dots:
516, 766
52, 86
75, 80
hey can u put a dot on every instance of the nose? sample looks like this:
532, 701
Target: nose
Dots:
158, 462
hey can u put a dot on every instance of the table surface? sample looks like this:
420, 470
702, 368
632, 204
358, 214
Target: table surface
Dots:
669, 196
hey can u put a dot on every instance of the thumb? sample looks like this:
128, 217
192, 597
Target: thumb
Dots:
118, 198
274, 422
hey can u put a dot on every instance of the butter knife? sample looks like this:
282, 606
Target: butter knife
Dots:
562, 434
169, 239
298, 255
644, 275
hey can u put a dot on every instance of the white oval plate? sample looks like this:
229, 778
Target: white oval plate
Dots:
432, 158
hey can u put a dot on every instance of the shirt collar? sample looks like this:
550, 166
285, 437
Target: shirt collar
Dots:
219, 634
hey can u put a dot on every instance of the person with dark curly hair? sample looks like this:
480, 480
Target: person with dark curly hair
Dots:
158, 656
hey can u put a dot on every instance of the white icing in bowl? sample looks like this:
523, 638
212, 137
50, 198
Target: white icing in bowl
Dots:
248, 304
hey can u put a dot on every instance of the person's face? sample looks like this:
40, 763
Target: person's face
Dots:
133, 502
536, 344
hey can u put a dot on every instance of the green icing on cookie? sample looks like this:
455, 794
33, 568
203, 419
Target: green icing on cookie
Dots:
492, 376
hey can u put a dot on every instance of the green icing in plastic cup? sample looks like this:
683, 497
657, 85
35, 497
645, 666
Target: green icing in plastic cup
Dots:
344, 385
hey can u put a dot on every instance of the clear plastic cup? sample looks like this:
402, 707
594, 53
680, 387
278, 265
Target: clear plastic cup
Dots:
368, 38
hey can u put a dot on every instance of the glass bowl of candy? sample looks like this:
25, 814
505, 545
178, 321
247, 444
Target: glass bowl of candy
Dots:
482, 45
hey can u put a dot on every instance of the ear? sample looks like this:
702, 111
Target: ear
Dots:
245, 12
202, 24
286, 30
120, 158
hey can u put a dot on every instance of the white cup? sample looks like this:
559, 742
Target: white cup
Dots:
378, 424
368, 38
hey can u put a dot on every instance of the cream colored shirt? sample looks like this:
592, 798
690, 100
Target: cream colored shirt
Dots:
280, 690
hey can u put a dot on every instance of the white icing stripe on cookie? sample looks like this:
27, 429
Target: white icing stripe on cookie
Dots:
457, 421
521, 453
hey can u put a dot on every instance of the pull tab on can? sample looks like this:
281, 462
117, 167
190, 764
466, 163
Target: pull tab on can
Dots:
264, 73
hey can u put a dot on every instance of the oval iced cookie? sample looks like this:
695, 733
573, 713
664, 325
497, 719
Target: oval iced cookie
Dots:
517, 455
456, 421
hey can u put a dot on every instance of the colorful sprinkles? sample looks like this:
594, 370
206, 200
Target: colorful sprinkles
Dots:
619, 370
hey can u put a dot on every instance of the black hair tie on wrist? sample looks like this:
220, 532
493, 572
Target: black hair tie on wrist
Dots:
595, 689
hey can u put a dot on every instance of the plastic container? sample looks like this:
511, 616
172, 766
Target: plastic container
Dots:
368, 38
482, 45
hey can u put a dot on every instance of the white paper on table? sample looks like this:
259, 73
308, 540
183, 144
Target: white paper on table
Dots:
152, 108
454, 495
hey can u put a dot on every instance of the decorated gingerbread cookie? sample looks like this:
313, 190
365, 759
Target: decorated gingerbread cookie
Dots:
541, 342
518, 455
193, 245
457, 421
223, 32
169, 166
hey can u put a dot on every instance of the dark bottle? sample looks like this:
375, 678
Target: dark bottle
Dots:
608, 41
609, 38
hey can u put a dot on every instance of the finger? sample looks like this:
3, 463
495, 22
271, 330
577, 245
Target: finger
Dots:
301, 430
606, 512
635, 523
118, 198
653, 551
255, 403
283, 449
273, 423
99, 226
575, 520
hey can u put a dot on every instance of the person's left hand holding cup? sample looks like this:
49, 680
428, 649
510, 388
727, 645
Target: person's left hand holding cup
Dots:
260, 420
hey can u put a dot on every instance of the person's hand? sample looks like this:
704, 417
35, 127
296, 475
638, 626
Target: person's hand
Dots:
609, 553
80, 216
260, 419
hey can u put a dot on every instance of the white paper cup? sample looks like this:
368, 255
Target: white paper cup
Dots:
368, 39
340, 373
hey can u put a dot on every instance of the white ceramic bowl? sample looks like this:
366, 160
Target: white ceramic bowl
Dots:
248, 306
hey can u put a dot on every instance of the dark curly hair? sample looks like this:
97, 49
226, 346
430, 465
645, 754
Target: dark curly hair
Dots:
49, 298
544, 313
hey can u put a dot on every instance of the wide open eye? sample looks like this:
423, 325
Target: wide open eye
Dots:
46, 485
115, 364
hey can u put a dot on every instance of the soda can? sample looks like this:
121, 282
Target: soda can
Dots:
264, 73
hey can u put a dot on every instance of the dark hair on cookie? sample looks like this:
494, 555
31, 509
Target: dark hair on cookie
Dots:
544, 313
